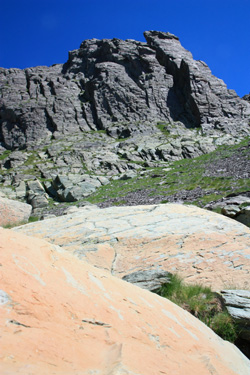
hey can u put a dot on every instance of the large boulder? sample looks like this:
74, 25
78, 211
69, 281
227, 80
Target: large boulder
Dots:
59, 315
13, 212
72, 188
199, 245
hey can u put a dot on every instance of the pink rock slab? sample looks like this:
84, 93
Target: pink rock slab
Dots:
199, 245
60, 315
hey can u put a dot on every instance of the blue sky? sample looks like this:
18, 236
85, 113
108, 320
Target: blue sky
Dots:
35, 32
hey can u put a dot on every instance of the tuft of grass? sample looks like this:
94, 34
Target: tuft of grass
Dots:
32, 219
162, 126
223, 324
203, 303
5, 154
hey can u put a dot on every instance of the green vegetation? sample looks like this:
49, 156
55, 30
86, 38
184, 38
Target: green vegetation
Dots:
5, 154
185, 174
162, 126
203, 304
32, 219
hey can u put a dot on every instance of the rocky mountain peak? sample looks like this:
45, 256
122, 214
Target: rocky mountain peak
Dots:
107, 82
159, 34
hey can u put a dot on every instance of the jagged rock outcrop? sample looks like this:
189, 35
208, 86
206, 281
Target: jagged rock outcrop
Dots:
246, 97
106, 82
59, 315
201, 246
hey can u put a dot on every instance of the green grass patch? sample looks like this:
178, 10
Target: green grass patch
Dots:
162, 126
185, 174
203, 303
5, 154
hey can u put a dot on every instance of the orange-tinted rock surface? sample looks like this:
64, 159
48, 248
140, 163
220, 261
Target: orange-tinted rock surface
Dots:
60, 315
13, 212
202, 246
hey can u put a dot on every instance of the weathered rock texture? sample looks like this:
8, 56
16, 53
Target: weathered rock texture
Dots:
108, 82
246, 97
59, 315
149, 279
202, 246
237, 303
13, 212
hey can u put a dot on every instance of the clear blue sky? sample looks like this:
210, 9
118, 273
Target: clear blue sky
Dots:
35, 32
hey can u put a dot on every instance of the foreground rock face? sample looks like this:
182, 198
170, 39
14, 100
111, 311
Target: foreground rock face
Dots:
13, 212
201, 246
59, 315
117, 82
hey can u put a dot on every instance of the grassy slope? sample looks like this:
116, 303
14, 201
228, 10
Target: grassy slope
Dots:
184, 179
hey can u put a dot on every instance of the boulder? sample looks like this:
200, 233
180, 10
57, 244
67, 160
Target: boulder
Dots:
128, 175
76, 192
16, 159
21, 189
201, 246
60, 315
237, 303
244, 216
230, 210
74, 187
35, 186
38, 201
151, 279
13, 212
236, 207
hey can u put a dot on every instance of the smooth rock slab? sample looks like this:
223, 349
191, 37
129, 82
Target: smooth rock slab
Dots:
199, 245
65, 316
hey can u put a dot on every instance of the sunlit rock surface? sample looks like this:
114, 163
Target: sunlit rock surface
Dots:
59, 315
199, 245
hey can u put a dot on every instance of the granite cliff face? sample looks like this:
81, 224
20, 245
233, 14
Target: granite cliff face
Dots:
109, 82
